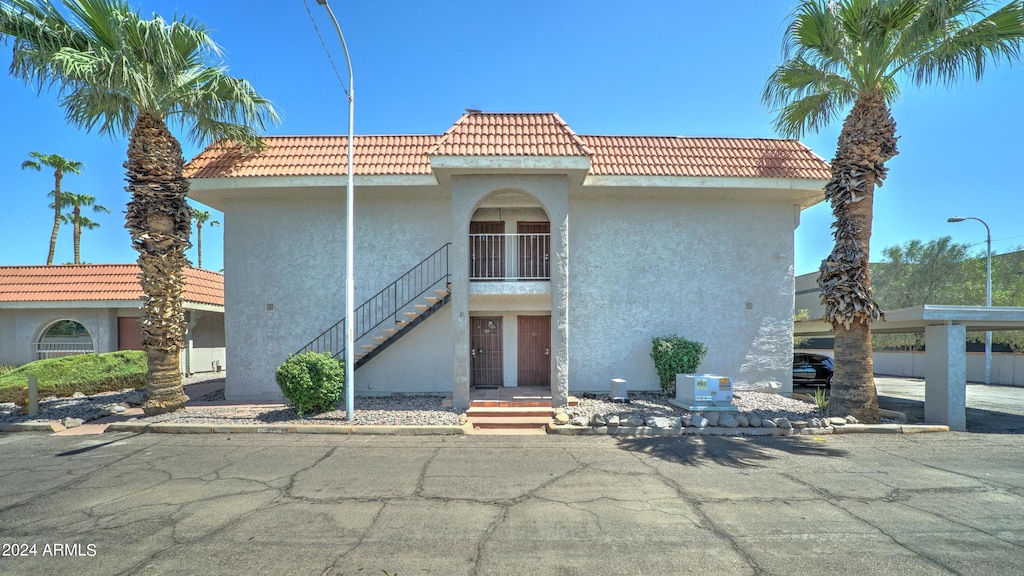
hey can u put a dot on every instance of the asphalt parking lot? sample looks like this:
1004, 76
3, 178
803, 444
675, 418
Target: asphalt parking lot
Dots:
990, 409
893, 504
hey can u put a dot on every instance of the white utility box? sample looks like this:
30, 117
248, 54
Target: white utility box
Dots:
619, 392
704, 392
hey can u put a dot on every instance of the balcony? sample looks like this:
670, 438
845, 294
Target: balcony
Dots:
509, 257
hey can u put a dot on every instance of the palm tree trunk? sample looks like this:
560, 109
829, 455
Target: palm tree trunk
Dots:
159, 221
867, 142
78, 233
199, 243
57, 175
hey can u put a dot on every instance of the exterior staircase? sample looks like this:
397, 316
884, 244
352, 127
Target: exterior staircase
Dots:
391, 313
521, 412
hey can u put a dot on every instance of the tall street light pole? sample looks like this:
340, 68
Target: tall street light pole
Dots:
350, 366
988, 291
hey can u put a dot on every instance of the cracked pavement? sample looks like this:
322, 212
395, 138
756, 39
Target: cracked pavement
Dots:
480, 505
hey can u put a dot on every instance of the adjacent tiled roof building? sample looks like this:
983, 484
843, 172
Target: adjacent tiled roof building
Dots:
102, 282
516, 134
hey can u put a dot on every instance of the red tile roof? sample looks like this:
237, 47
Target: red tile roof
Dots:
708, 157
316, 156
479, 134
521, 134
87, 282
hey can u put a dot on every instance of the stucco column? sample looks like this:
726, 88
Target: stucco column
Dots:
559, 308
458, 267
945, 376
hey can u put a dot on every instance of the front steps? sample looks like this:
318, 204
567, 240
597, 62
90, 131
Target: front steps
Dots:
512, 416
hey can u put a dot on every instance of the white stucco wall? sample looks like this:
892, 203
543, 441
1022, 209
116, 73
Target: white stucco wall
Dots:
647, 263
289, 252
20, 330
205, 349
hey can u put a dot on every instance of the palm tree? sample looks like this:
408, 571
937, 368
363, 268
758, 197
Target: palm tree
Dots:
77, 221
84, 223
60, 165
839, 53
125, 75
200, 217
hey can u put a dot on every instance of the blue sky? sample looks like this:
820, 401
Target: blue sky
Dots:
666, 67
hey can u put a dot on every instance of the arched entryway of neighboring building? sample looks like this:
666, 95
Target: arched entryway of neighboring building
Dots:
64, 338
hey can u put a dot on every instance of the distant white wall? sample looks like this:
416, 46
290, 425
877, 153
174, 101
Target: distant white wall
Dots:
646, 263
207, 350
1007, 369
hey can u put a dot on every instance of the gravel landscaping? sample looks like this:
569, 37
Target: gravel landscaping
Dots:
402, 410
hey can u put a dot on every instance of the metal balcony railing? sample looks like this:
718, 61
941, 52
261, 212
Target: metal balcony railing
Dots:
46, 350
509, 256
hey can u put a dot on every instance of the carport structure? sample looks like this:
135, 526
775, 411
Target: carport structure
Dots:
945, 331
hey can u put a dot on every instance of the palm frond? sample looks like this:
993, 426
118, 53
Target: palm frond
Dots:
806, 96
965, 49
108, 64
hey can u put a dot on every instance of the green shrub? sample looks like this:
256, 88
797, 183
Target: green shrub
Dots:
311, 381
675, 355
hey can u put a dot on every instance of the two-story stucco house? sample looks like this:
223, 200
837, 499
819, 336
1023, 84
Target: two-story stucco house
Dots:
510, 251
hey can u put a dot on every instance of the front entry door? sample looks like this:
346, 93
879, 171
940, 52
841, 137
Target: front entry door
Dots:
485, 352
534, 351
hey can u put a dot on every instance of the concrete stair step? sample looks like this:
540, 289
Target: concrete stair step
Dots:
541, 431
401, 323
521, 402
390, 331
511, 422
369, 347
412, 315
381, 339
508, 412
421, 307
442, 293
431, 300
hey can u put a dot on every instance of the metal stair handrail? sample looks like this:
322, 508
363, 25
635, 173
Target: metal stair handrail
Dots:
431, 273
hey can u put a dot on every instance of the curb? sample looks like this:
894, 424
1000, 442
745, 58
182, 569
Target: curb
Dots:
172, 428
569, 430
456, 430
31, 427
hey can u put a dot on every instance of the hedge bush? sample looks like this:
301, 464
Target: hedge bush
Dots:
311, 381
85, 373
675, 355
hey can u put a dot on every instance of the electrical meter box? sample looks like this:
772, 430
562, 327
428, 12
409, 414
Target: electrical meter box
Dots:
704, 392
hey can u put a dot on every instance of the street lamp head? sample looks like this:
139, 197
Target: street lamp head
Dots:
956, 219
